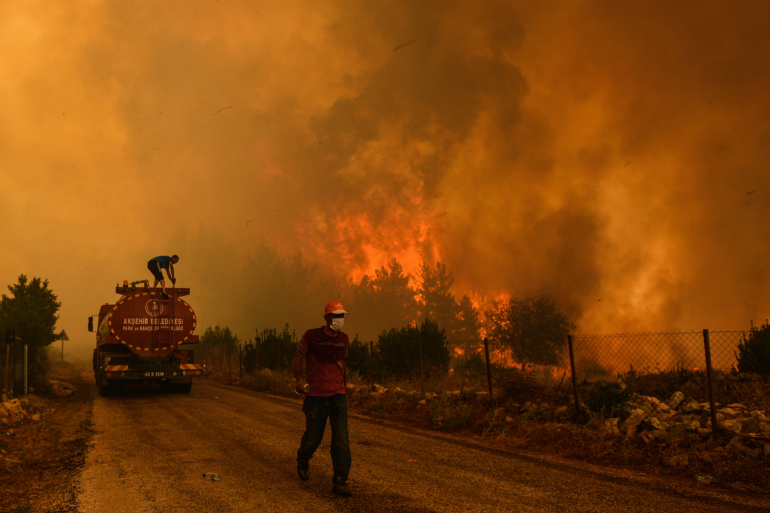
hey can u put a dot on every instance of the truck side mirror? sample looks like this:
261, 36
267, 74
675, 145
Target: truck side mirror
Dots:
90, 324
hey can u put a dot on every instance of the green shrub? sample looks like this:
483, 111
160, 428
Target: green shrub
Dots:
398, 350
250, 357
473, 364
611, 399
358, 360
754, 352
450, 413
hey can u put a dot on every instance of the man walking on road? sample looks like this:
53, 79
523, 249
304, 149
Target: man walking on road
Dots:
162, 262
326, 349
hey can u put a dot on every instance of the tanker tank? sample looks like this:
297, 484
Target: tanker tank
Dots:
143, 337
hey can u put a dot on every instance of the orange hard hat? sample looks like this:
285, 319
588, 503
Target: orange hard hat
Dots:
334, 307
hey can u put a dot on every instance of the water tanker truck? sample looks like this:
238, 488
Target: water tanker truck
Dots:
142, 338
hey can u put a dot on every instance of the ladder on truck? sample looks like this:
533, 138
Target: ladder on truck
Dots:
165, 337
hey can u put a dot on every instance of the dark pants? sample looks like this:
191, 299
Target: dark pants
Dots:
317, 409
152, 265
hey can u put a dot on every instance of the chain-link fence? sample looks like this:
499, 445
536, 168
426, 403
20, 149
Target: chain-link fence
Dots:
605, 356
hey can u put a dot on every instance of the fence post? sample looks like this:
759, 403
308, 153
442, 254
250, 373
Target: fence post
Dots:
371, 363
256, 348
422, 370
574, 377
489, 372
26, 368
707, 347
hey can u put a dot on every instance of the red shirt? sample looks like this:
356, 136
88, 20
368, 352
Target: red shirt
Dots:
324, 361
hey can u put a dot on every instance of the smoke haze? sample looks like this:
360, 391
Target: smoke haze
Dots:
615, 155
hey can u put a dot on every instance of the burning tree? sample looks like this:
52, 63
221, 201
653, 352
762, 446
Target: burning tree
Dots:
534, 328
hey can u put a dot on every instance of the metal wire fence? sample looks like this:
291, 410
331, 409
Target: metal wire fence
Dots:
486, 362
605, 356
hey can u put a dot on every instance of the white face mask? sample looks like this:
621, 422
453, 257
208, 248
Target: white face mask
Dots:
338, 323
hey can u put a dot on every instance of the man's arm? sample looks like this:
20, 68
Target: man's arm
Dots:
170, 272
296, 368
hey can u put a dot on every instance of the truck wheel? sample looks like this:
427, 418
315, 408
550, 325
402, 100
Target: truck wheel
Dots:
185, 388
106, 390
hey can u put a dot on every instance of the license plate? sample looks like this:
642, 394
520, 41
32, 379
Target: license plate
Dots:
155, 373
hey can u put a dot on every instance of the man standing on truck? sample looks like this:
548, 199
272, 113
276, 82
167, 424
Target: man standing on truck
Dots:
326, 349
162, 262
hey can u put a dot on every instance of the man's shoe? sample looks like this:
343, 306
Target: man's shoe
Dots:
303, 469
341, 488
165, 296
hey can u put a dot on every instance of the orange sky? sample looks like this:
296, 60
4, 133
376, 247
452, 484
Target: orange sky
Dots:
590, 149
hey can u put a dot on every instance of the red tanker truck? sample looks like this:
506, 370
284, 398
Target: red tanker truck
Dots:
141, 338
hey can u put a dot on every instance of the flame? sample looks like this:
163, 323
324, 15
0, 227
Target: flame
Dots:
355, 244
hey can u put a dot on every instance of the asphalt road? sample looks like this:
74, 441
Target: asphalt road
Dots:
149, 451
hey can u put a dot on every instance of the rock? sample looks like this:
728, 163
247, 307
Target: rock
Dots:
738, 446
759, 415
704, 432
720, 418
675, 400
652, 435
729, 412
3, 412
380, 389
654, 423
689, 405
737, 406
509, 419
611, 427
35, 417
652, 400
634, 419
751, 424
24, 402
5, 421
398, 390
733, 425
680, 460
764, 427
430, 395
453, 392
351, 387
561, 412
422, 401
693, 426
645, 406
12, 406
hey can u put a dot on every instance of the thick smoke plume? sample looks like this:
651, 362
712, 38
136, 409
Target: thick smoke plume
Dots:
614, 155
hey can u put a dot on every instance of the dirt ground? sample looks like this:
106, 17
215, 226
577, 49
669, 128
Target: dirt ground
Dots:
51, 451
74, 459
